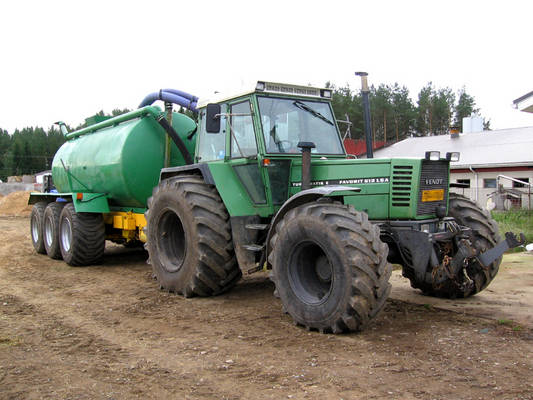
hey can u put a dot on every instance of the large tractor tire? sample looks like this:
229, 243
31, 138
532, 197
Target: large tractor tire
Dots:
81, 237
51, 229
330, 267
189, 238
486, 235
36, 226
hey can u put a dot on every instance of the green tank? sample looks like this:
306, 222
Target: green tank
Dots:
121, 157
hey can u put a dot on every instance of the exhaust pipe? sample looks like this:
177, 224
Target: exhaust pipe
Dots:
366, 113
306, 163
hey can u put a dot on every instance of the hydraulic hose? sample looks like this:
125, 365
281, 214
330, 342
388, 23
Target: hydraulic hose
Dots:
175, 138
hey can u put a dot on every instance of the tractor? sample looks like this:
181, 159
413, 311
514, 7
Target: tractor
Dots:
260, 181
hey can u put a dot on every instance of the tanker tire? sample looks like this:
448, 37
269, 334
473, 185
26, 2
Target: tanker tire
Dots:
330, 267
189, 238
36, 226
486, 235
81, 237
52, 213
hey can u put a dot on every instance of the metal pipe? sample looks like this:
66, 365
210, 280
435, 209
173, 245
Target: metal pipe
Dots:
168, 108
476, 176
175, 137
306, 163
518, 181
365, 92
141, 112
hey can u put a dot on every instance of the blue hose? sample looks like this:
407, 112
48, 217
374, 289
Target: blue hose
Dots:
182, 94
172, 96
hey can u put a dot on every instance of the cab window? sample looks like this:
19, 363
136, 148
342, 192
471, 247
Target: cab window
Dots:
242, 131
211, 146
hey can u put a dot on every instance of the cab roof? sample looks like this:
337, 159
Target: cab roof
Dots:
271, 87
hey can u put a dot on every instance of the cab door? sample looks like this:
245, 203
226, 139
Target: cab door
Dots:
243, 154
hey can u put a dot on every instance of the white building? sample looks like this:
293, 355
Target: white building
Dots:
484, 156
524, 103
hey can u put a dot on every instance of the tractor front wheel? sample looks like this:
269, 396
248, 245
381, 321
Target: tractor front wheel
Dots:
330, 267
189, 238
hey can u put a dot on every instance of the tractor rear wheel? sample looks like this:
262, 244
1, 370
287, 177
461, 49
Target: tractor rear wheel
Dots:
81, 237
36, 226
189, 238
51, 229
485, 236
330, 267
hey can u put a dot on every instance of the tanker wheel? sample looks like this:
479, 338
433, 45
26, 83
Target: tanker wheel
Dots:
189, 238
330, 267
485, 236
36, 226
51, 229
81, 237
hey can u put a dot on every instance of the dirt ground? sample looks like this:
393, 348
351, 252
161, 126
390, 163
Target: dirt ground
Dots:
108, 332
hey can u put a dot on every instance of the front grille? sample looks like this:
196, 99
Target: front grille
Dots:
402, 176
434, 176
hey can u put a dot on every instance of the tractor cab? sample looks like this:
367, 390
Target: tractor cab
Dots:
271, 119
258, 136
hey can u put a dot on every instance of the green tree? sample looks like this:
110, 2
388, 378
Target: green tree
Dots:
466, 106
434, 110
424, 117
404, 113
381, 112
348, 105
117, 111
443, 106
5, 144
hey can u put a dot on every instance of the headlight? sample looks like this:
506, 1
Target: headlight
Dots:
453, 156
433, 155
326, 93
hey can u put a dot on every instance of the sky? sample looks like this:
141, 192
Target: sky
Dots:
66, 60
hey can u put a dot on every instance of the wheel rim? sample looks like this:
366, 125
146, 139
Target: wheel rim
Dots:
171, 241
48, 231
66, 234
34, 229
310, 273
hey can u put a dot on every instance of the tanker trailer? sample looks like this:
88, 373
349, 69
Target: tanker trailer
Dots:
104, 174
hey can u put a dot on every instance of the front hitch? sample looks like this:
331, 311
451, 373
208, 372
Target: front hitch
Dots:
511, 241
452, 266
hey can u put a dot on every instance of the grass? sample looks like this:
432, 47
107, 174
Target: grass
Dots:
7, 341
515, 221
513, 325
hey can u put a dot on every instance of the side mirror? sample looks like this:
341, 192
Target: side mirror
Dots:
212, 121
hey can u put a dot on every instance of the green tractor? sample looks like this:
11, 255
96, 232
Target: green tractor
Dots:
262, 182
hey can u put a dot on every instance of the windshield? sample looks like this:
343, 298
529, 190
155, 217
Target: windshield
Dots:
288, 121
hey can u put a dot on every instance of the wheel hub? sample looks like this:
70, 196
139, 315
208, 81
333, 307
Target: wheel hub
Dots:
48, 234
323, 269
65, 234
310, 273
171, 241
34, 229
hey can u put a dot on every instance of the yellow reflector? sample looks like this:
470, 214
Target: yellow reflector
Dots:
432, 195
